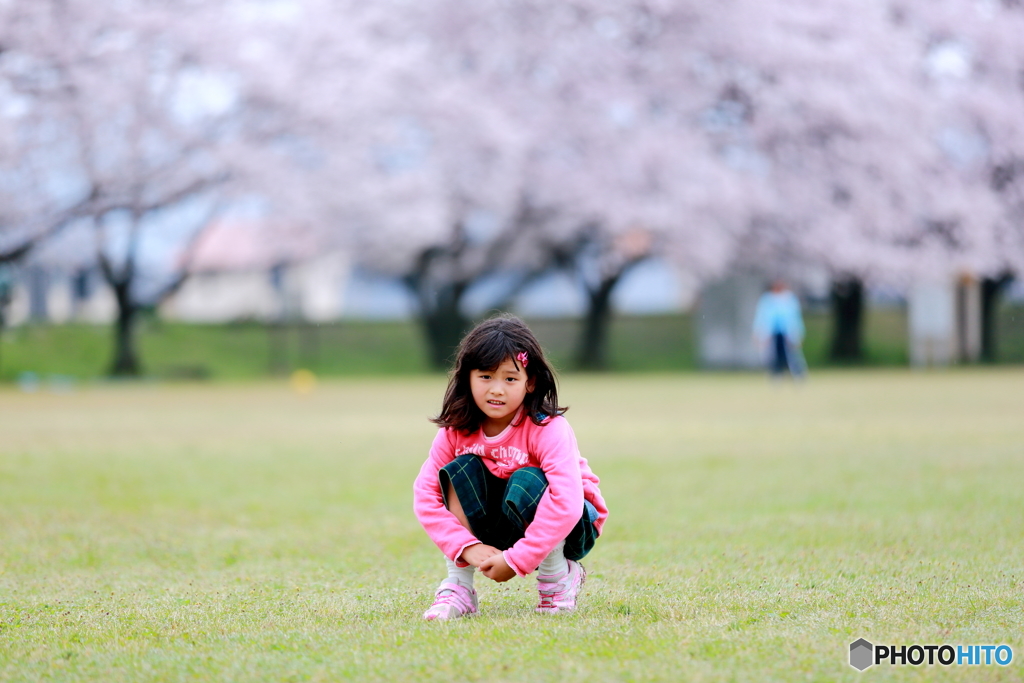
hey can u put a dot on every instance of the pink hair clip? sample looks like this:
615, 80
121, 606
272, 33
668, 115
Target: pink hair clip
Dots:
522, 358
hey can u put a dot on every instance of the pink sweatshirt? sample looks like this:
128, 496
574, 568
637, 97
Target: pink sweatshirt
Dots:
551, 447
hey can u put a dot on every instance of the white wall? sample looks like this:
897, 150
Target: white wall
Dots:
221, 297
725, 317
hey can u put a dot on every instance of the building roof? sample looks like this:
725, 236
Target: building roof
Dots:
234, 245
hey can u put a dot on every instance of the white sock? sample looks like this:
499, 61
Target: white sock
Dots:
460, 575
555, 563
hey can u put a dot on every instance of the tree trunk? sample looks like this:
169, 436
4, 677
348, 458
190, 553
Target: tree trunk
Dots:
593, 348
991, 291
3, 322
126, 361
847, 298
6, 286
444, 324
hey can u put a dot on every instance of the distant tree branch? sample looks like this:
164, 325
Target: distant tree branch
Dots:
187, 258
51, 227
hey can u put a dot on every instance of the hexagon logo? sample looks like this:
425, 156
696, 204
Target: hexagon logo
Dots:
861, 654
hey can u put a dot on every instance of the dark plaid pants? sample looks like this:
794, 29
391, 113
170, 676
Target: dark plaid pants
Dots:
499, 509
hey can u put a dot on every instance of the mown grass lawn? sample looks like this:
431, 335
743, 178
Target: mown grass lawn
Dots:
242, 532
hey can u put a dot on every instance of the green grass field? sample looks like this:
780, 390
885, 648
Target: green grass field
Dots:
242, 532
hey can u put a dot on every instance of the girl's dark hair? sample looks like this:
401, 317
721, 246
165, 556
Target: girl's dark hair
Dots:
484, 348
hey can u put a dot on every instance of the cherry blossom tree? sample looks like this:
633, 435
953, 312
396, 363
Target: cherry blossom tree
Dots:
608, 154
131, 121
870, 125
811, 99
973, 59
367, 141
786, 132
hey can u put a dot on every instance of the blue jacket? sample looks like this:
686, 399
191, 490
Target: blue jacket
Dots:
779, 312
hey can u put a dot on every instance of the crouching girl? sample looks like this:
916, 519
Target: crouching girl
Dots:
504, 488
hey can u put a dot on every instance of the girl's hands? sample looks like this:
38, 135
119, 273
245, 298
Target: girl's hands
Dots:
495, 567
476, 554
489, 561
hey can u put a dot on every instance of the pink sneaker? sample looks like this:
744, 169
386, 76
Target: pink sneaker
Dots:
451, 602
560, 595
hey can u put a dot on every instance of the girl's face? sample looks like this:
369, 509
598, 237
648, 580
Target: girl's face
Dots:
498, 394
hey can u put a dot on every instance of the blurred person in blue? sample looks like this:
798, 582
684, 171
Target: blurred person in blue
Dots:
779, 330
